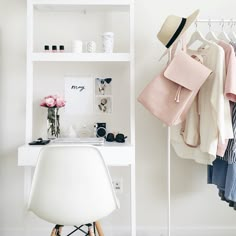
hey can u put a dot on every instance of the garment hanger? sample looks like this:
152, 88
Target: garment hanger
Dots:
223, 36
211, 35
232, 34
197, 36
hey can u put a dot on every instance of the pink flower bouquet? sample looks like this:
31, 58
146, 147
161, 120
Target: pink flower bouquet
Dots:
53, 103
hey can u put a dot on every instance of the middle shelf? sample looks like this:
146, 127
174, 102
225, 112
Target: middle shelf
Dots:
90, 57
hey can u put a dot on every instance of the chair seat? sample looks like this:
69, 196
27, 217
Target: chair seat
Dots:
72, 186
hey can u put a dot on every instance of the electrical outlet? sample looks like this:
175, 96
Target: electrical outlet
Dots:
118, 185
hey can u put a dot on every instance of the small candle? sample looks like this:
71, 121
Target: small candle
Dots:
61, 48
54, 48
46, 48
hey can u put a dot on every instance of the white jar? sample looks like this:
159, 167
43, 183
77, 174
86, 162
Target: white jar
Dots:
77, 46
108, 42
91, 47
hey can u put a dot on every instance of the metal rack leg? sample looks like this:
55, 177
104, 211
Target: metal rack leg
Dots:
168, 183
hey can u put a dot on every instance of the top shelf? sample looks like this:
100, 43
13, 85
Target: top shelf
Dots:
82, 2
59, 5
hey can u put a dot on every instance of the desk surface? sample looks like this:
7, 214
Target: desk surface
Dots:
114, 154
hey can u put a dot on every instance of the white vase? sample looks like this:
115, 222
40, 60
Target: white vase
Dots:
108, 42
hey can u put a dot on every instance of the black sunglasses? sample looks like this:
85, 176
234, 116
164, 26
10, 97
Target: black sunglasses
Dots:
107, 80
119, 138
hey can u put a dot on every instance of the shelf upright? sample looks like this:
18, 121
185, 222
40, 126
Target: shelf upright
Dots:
132, 119
29, 73
29, 95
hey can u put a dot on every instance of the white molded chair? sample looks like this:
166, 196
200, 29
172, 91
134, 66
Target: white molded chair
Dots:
71, 186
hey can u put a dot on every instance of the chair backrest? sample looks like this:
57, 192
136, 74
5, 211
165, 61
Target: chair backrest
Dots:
71, 186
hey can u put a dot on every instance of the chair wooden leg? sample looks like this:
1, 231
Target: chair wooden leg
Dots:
57, 230
94, 229
90, 230
99, 228
53, 233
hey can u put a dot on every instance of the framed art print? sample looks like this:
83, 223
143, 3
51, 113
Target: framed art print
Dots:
79, 95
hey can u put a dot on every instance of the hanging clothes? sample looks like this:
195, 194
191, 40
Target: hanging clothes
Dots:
213, 112
223, 171
230, 60
229, 88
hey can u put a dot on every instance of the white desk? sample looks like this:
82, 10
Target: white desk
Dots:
114, 154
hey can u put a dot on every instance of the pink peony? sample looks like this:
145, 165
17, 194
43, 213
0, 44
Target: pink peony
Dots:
43, 103
50, 102
60, 102
52, 96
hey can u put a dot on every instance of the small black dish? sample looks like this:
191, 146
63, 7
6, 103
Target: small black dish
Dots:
40, 141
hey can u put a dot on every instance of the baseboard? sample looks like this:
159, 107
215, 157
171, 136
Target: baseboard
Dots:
187, 231
141, 231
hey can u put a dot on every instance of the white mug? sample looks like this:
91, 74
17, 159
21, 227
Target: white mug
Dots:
77, 46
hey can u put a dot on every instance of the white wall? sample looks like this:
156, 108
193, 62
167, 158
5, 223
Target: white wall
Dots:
195, 205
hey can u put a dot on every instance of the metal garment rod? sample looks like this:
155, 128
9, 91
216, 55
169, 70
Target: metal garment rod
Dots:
215, 21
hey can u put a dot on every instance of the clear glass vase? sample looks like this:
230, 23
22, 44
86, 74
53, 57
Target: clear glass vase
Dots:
53, 123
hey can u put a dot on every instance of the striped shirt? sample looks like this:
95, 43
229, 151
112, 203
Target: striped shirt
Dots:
230, 153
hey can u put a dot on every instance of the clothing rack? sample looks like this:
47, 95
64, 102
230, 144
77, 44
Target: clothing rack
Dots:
209, 21
215, 21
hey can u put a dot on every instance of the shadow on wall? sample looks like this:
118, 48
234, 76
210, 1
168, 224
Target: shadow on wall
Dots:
190, 181
1, 92
9, 174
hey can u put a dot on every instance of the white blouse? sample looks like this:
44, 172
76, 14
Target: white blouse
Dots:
209, 118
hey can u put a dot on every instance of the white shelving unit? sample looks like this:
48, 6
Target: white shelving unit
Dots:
114, 154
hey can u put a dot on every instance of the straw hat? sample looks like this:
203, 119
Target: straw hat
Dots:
174, 27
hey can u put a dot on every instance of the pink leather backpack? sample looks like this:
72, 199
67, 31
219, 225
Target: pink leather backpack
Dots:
170, 95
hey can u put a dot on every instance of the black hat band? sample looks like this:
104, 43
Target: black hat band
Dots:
177, 32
